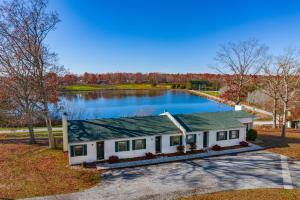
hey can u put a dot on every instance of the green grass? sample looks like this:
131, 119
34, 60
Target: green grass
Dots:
43, 134
212, 93
25, 128
116, 87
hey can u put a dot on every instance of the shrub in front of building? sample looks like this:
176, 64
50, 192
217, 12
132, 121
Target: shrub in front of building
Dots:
216, 148
251, 135
244, 144
113, 159
180, 149
149, 155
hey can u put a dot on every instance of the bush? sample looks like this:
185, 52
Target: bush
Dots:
149, 155
251, 135
193, 146
173, 86
244, 144
113, 159
180, 148
182, 86
216, 148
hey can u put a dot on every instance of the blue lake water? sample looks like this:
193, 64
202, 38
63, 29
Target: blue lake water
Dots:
126, 103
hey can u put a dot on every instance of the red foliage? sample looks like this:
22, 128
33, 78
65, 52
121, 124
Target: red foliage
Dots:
216, 148
244, 144
113, 159
149, 155
121, 78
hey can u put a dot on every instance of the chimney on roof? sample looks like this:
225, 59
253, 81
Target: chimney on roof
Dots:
238, 107
65, 131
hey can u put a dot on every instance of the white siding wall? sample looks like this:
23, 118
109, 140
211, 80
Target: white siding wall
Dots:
165, 144
229, 142
109, 146
90, 157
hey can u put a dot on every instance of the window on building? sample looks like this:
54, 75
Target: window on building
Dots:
122, 146
234, 134
175, 140
191, 139
78, 150
138, 144
222, 135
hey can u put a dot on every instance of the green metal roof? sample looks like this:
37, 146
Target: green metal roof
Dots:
211, 121
105, 129
114, 128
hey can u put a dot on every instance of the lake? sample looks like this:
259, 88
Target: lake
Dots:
126, 103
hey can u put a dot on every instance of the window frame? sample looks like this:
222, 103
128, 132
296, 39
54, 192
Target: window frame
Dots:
117, 146
73, 151
172, 140
144, 142
230, 134
218, 135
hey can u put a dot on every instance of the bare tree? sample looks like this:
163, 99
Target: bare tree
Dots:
24, 25
243, 60
288, 68
270, 85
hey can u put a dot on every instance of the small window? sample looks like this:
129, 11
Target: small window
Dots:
222, 135
175, 140
122, 146
191, 139
235, 134
139, 144
78, 150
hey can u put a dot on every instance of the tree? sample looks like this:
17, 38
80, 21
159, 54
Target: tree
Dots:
242, 60
24, 26
288, 68
270, 85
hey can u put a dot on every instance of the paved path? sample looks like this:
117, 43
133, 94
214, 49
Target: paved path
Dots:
171, 180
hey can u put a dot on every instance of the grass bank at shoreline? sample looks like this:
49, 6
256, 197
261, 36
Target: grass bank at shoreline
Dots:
92, 87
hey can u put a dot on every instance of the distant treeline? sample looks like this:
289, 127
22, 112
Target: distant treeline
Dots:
152, 78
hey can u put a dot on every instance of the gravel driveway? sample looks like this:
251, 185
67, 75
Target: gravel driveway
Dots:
171, 180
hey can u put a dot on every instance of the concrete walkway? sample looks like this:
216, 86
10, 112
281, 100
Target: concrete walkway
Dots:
252, 147
170, 181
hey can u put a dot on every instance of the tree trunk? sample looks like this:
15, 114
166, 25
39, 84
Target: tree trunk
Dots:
49, 126
30, 130
275, 113
284, 118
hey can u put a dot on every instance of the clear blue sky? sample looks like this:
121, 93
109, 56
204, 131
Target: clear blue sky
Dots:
165, 35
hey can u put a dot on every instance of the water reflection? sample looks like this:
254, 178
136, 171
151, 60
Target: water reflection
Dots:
110, 94
126, 103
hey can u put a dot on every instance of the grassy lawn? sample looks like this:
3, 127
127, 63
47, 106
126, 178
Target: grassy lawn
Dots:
261, 194
212, 93
32, 170
43, 134
116, 87
24, 128
271, 138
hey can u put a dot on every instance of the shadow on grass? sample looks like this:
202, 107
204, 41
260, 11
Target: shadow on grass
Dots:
275, 141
